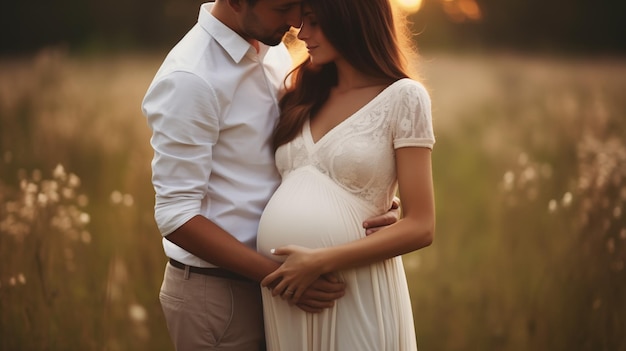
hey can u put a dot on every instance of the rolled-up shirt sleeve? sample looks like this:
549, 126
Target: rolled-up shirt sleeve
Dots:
182, 111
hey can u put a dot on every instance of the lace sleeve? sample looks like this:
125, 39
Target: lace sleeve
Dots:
411, 117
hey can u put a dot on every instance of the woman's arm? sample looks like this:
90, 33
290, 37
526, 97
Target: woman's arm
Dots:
414, 231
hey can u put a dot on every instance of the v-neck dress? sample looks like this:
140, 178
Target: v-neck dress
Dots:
328, 188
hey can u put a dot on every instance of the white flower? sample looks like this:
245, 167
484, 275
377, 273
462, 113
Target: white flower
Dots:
509, 179
567, 199
84, 218
116, 197
74, 181
59, 172
128, 200
552, 206
137, 313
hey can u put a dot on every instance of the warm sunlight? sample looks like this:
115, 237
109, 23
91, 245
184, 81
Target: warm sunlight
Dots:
456, 10
462, 10
409, 5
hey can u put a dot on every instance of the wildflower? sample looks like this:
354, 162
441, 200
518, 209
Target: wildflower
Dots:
51, 191
509, 179
128, 200
552, 206
116, 197
82, 200
567, 199
74, 181
137, 313
84, 218
42, 199
68, 193
59, 172
30, 188
529, 173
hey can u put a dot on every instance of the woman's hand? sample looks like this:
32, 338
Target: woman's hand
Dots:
301, 268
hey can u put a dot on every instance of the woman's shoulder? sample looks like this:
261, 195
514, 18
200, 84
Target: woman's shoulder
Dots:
409, 88
409, 84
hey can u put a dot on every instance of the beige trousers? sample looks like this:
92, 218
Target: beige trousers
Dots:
211, 313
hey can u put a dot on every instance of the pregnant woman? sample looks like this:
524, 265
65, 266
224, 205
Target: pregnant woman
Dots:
354, 129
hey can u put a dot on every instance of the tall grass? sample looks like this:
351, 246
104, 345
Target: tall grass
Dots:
530, 168
92, 282
530, 175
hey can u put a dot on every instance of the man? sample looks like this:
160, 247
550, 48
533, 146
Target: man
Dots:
212, 107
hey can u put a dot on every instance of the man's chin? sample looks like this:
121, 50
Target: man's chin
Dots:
272, 41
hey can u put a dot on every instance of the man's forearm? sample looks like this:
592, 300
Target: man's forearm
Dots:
208, 241
211, 243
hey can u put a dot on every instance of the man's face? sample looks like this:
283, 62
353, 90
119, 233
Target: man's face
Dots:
268, 20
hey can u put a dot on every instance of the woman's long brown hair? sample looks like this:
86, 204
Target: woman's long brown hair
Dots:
364, 33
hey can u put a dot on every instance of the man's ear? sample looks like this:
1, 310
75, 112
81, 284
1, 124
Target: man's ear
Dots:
236, 4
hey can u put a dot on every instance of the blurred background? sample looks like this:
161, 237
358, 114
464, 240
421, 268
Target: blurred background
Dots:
529, 169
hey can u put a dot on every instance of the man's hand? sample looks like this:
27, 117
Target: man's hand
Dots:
377, 223
321, 294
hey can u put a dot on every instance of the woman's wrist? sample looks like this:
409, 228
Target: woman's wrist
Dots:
324, 259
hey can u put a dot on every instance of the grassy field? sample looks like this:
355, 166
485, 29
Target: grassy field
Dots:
530, 175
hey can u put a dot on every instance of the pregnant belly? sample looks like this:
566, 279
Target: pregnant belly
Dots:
309, 210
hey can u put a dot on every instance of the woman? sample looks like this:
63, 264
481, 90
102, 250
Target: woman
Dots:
353, 129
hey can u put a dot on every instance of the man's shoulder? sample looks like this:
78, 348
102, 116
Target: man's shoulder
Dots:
189, 51
191, 56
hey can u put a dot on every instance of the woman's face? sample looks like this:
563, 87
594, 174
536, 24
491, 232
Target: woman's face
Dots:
319, 48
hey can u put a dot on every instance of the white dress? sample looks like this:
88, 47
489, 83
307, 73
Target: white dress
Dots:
328, 188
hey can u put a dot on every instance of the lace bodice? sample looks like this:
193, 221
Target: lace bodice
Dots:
358, 154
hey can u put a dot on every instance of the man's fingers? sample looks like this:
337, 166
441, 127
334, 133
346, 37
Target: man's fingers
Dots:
396, 203
310, 309
320, 295
384, 219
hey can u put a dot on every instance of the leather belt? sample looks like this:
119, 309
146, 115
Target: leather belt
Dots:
212, 271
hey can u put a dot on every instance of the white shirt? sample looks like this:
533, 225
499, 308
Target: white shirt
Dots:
212, 107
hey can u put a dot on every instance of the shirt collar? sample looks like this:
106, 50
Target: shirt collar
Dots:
233, 43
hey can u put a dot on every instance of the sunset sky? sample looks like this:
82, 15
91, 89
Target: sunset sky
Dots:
457, 10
